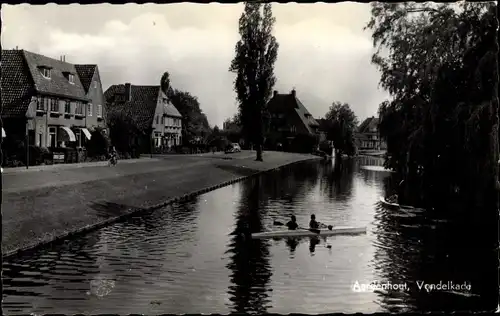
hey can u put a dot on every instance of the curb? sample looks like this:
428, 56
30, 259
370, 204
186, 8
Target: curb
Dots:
116, 219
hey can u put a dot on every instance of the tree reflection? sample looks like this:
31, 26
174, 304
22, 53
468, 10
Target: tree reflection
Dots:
420, 248
249, 261
337, 179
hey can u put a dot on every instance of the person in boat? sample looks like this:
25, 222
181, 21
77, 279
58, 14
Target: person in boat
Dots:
313, 224
292, 224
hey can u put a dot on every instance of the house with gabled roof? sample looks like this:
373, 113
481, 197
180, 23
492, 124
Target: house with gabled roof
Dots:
289, 118
54, 88
92, 85
150, 109
367, 136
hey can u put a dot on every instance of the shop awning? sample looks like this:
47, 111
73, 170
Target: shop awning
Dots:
86, 132
70, 133
3, 133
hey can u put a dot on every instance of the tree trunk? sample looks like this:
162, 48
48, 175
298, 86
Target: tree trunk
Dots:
259, 153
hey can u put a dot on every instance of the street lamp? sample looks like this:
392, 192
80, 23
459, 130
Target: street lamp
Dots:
30, 117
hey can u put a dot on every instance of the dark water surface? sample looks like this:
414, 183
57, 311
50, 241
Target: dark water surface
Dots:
191, 257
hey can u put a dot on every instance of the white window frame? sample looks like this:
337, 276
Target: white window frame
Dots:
67, 107
99, 110
71, 78
95, 84
79, 108
54, 105
89, 109
46, 73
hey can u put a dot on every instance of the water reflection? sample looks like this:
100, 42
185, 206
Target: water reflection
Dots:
249, 260
416, 248
194, 257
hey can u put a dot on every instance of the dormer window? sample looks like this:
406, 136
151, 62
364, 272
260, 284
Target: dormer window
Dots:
45, 72
71, 78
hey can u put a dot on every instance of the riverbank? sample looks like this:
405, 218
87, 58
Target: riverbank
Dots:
49, 205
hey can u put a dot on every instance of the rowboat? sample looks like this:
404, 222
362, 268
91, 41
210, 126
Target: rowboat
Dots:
338, 230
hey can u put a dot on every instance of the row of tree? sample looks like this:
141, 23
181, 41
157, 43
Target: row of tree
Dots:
439, 63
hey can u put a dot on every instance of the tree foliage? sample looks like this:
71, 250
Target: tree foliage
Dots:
255, 55
342, 124
123, 131
194, 121
439, 64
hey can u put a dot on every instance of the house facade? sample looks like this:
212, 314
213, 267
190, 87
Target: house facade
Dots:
55, 91
367, 137
149, 107
290, 119
91, 82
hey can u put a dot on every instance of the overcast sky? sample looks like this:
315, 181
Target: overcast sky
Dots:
324, 52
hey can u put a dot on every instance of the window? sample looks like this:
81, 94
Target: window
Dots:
46, 103
79, 108
99, 110
46, 72
40, 106
95, 84
71, 78
54, 105
89, 109
52, 136
157, 119
163, 120
293, 129
67, 107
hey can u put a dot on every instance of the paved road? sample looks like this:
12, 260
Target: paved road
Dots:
39, 205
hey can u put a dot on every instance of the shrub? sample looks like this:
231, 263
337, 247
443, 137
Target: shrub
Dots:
98, 144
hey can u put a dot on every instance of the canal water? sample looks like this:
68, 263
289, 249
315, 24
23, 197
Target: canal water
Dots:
192, 258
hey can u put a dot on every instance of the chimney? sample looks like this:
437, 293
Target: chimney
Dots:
16, 47
294, 93
275, 93
64, 58
128, 92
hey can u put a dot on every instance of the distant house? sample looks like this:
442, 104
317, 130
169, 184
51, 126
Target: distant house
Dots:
149, 107
322, 129
59, 97
367, 136
289, 118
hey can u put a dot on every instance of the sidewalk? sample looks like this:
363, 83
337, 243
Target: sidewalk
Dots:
39, 207
64, 166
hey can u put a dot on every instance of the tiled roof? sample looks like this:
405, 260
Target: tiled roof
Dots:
86, 73
142, 106
171, 110
17, 84
323, 124
58, 84
369, 125
286, 102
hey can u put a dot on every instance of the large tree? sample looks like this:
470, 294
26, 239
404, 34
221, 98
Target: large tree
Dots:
255, 55
439, 63
342, 123
194, 121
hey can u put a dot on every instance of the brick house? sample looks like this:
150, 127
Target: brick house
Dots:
289, 118
60, 100
367, 136
149, 107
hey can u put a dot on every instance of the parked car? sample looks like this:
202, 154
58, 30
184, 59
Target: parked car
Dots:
233, 148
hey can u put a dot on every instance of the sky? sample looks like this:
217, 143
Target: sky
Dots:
323, 51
